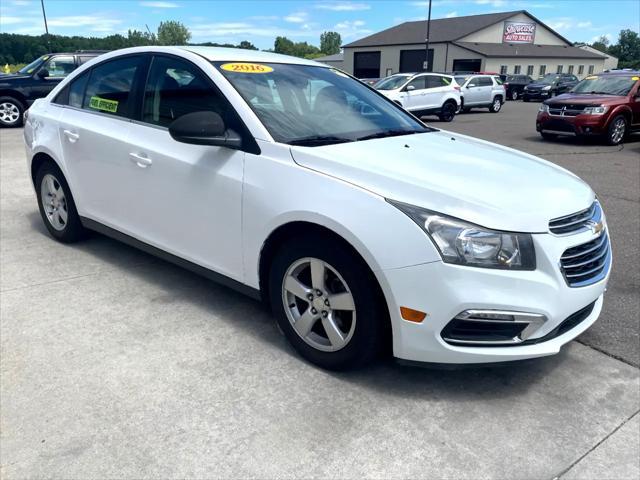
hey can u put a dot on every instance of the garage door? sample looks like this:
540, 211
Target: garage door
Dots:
366, 64
413, 60
467, 65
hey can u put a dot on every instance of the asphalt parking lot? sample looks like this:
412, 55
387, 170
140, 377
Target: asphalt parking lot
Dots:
116, 364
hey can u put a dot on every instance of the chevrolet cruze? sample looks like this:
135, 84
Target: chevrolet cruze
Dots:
364, 229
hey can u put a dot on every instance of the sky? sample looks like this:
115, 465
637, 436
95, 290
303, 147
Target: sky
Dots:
260, 21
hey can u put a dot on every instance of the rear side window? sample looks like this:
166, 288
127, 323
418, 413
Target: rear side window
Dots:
176, 87
76, 90
109, 87
435, 81
484, 81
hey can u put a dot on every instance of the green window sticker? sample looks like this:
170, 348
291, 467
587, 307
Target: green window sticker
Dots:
99, 103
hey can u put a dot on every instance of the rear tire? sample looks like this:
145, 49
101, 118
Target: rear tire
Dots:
306, 273
11, 112
496, 105
56, 205
448, 111
514, 95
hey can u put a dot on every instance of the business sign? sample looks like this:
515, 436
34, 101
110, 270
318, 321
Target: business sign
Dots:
518, 32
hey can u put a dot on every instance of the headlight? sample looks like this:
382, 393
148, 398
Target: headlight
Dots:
599, 110
467, 244
548, 87
543, 107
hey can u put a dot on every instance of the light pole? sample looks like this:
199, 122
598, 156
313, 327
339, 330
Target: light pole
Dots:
425, 65
46, 28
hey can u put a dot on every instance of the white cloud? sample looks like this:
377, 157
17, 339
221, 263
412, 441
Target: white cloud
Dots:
7, 20
94, 21
584, 24
343, 6
451, 15
159, 4
350, 29
21, 3
296, 17
493, 3
597, 37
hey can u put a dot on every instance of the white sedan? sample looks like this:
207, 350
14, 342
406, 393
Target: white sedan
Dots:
364, 229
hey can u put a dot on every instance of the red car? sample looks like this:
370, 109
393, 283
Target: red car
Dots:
606, 105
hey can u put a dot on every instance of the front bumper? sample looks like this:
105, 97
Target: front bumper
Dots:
444, 290
536, 94
565, 125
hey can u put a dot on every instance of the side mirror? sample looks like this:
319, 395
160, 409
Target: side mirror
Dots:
43, 73
410, 88
471, 85
204, 128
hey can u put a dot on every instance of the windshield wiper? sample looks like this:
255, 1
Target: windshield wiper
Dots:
390, 133
593, 92
317, 140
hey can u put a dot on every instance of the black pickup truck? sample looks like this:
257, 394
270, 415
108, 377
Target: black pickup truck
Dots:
19, 90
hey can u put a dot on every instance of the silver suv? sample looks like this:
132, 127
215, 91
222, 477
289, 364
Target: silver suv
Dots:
481, 91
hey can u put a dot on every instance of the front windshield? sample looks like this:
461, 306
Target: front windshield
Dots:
549, 79
607, 84
311, 106
29, 69
391, 83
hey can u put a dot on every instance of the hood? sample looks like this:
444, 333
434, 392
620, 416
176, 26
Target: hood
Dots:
460, 176
537, 85
9, 77
577, 99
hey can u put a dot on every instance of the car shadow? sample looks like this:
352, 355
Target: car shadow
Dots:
178, 286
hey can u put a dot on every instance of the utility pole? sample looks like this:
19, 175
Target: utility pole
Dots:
46, 28
425, 65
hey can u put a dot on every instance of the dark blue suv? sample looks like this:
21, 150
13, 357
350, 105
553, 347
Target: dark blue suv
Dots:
550, 85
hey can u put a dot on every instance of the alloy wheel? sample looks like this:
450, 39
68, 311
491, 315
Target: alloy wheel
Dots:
9, 112
319, 304
497, 104
619, 128
514, 95
54, 202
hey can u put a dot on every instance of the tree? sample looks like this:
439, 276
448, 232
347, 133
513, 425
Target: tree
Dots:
299, 49
173, 32
330, 43
283, 45
601, 44
246, 45
136, 38
627, 49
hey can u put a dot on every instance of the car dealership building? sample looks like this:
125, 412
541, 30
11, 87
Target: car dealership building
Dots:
508, 42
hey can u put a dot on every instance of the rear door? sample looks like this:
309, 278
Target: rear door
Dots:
94, 129
436, 87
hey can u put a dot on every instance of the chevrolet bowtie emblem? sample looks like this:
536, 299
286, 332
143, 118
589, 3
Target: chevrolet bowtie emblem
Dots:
596, 227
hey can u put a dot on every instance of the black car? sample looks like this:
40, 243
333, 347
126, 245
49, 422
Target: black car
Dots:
550, 85
514, 84
19, 90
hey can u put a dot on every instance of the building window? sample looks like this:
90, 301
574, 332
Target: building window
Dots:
560, 68
503, 69
580, 69
570, 69
543, 70
529, 70
516, 69
591, 69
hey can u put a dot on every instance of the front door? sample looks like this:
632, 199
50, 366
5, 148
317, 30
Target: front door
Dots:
184, 199
474, 92
52, 72
415, 94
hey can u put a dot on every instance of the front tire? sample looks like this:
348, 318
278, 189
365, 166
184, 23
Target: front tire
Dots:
514, 95
326, 302
56, 205
617, 130
11, 112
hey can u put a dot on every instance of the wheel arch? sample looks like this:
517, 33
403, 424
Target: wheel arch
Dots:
15, 94
620, 110
38, 160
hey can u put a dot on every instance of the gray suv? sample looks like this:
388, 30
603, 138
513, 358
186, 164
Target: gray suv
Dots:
481, 91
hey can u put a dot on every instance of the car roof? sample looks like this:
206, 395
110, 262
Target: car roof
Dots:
215, 54
619, 72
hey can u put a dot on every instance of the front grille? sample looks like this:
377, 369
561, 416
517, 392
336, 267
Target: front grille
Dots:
587, 263
565, 110
559, 126
576, 221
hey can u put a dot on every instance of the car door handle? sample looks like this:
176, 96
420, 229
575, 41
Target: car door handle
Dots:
141, 160
72, 136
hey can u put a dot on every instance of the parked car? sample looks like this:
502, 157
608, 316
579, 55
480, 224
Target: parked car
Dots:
514, 85
606, 105
19, 90
423, 93
364, 229
550, 85
369, 81
481, 91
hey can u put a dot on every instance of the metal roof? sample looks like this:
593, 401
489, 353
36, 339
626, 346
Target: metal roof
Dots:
336, 57
527, 50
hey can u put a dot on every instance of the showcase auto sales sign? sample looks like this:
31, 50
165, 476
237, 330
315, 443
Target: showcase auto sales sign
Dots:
519, 32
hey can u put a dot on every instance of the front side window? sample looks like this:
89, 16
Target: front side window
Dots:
174, 88
109, 87
60, 66
312, 106
418, 83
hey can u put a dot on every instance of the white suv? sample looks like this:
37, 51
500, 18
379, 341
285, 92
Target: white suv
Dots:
290, 181
482, 91
423, 93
